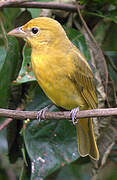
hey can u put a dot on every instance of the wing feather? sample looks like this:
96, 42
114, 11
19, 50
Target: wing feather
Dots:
82, 77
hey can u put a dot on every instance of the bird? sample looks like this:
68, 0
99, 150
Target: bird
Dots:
64, 75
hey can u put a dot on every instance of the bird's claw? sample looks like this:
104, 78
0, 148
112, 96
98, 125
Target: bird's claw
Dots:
73, 114
41, 114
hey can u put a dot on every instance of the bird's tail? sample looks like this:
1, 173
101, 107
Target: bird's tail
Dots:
86, 139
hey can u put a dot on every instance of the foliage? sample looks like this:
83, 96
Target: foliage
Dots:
49, 148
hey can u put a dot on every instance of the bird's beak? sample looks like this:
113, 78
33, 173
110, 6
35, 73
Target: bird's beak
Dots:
18, 32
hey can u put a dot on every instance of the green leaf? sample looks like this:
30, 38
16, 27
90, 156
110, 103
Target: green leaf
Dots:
72, 172
111, 16
78, 40
109, 43
9, 15
26, 74
112, 55
100, 32
8, 63
2, 56
34, 12
50, 144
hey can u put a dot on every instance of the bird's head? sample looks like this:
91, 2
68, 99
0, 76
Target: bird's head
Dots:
39, 31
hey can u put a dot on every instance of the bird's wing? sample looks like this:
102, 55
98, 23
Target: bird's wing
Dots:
83, 78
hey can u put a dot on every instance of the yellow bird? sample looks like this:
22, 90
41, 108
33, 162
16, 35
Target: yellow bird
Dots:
63, 74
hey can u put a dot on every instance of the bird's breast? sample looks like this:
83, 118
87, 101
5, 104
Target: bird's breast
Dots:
53, 79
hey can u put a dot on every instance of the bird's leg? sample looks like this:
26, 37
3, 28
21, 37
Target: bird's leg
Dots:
73, 114
41, 113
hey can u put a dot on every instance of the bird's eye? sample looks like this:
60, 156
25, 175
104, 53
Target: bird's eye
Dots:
34, 30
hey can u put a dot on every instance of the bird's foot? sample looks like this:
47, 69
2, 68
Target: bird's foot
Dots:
41, 113
73, 114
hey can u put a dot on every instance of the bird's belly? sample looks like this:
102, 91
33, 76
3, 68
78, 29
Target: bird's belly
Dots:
59, 89
62, 93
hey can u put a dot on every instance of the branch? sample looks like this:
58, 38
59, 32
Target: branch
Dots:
45, 5
22, 115
5, 123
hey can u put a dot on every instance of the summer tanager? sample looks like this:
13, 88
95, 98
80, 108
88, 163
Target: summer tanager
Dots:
63, 74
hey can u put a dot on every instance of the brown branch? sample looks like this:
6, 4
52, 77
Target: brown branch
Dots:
22, 115
5, 123
45, 5
9, 119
